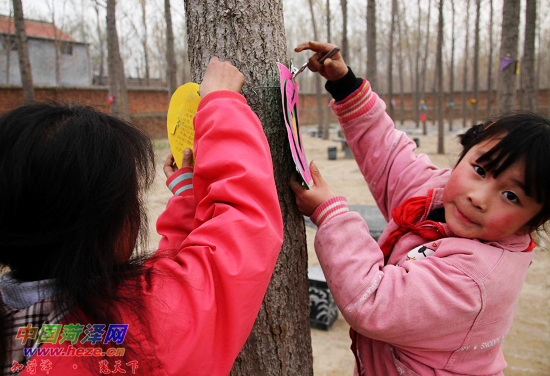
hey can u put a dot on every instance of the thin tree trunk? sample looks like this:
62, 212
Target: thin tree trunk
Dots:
57, 45
466, 63
424, 66
439, 69
101, 42
372, 61
528, 71
8, 46
320, 122
507, 96
280, 341
390, 60
452, 70
345, 45
401, 78
476, 64
490, 65
23, 50
172, 68
416, 103
144, 40
328, 110
117, 79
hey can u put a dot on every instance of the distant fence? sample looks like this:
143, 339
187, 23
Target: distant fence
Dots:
148, 106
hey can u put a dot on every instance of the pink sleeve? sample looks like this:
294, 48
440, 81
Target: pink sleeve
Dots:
385, 155
205, 299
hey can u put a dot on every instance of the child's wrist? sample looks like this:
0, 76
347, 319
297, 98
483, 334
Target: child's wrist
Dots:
181, 182
329, 209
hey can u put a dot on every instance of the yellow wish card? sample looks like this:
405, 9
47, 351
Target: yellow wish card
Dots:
182, 110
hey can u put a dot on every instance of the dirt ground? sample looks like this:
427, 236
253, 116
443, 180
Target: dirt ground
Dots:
527, 347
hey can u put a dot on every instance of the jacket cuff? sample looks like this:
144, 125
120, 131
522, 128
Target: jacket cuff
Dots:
181, 182
356, 104
329, 209
344, 86
228, 94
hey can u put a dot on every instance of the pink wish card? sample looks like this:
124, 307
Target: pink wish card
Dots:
289, 92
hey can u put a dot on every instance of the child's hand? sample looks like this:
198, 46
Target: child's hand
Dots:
309, 200
170, 165
221, 76
332, 69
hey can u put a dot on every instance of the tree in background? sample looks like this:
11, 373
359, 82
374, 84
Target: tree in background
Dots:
441, 95
23, 50
400, 66
390, 59
528, 68
320, 123
280, 341
171, 66
476, 64
466, 63
372, 61
424, 66
508, 50
345, 46
490, 64
144, 39
328, 110
452, 68
101, 44
117, 78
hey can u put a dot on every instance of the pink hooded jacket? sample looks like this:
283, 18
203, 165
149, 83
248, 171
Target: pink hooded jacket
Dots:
223, 236
436, 307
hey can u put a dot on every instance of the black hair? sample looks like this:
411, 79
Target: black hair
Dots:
71, 208
523, 137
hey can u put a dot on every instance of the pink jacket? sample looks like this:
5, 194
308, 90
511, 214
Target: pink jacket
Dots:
440, 310
224, 236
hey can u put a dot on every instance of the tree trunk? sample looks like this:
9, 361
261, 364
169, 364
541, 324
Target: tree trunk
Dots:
452, 70
390, 60
401, 78
372, 62
144, 41
117, 79
328, 110
424, 66
439, 69
280, 342
528, 68
101, 42
466, 63
171, 66
345, 46
320, 123
8, 47
476, 64
508, 49
57, 45
490, 65
416, 96
23, 50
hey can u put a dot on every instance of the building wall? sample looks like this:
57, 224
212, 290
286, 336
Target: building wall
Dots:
75, 68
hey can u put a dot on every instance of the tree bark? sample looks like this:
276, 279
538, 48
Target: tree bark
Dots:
476, 64
117, 77
452, 69
439, 69
101, 43
23, 50
57, 45
490, 65
345, 46
390, 59
8, 47
466, 63
171, 66
507, 96
372, 62
528, 66
280, 342
416, 97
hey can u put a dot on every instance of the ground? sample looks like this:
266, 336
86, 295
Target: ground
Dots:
527, 347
